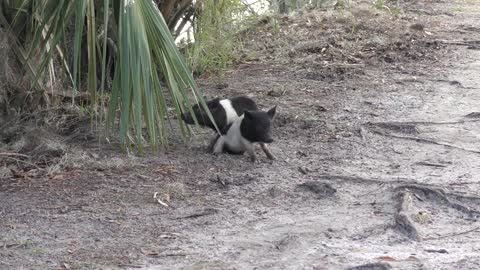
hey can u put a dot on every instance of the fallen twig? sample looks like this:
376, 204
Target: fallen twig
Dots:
220, 180
158, 199
14, 154
132, 265
424, 163
462, 43
26, 162
342, 65
436, 250
376, 266
205, 212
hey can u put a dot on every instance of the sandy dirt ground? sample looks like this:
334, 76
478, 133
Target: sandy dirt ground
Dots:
378, 161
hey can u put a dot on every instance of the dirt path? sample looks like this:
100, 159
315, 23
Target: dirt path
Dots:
378, 163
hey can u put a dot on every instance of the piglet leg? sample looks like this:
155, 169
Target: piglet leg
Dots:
266, 151
218, 147
212, 143
250, 151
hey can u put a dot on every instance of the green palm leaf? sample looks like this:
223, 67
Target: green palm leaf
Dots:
145, 50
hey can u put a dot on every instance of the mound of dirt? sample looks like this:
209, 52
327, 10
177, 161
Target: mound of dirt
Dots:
332, 45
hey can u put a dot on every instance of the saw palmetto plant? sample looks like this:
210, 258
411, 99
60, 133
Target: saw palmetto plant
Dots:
149, 74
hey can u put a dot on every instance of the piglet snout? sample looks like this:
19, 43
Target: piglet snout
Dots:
269, 140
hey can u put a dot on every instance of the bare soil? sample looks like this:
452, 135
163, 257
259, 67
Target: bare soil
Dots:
378, 161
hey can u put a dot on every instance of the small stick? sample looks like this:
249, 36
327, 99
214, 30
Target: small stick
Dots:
220, 180
26, 162
424, 163
158, 200
14, 154
206, 212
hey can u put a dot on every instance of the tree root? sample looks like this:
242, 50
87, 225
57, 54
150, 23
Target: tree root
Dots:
423, 192
476, 229
421, 140
400, 127
369, 181
406, 190
402, 220
471, 117
405, 195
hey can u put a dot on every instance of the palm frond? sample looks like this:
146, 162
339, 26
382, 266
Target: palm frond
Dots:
145, 50
146, 47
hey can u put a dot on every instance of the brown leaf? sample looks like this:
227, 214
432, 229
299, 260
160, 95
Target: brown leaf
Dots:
386, 258
58, 177
150, 252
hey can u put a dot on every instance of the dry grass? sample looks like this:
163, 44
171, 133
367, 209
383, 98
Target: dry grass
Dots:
6, 72
359, 34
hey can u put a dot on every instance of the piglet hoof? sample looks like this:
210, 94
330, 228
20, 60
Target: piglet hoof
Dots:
271, 157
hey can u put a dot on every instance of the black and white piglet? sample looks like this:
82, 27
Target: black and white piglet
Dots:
249, 128
225, 112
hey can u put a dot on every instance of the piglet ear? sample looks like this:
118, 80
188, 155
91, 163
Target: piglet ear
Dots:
271, 112
214, 103
248, 115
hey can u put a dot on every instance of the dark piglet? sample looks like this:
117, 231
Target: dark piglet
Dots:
251, 127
